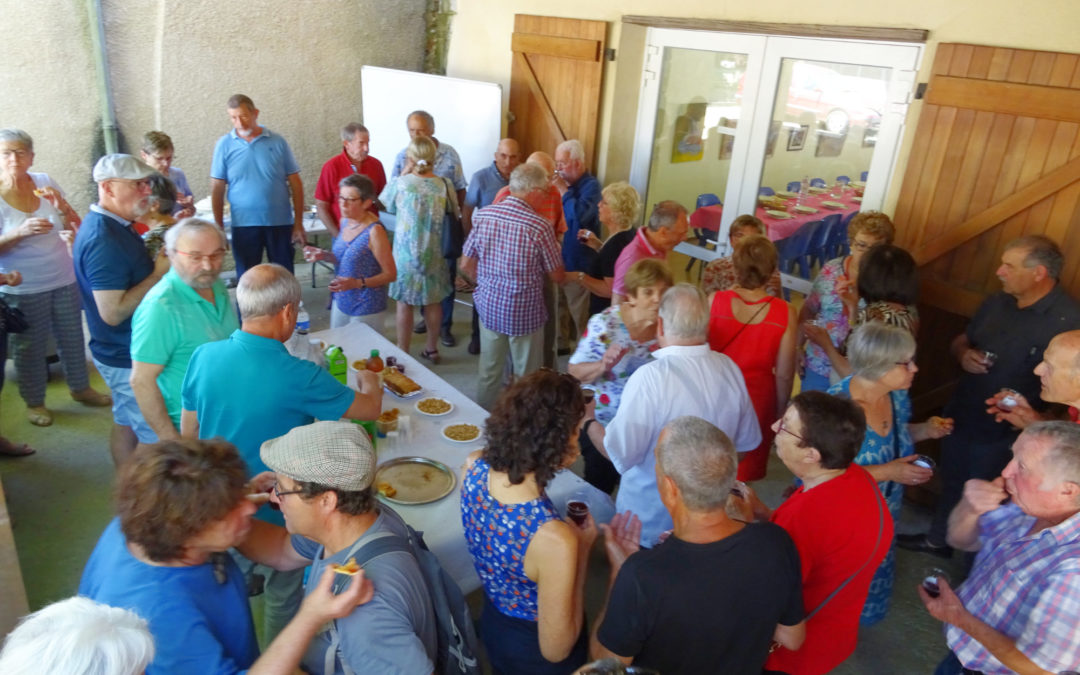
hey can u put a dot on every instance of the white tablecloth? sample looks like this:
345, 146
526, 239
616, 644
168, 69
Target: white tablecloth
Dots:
441, 521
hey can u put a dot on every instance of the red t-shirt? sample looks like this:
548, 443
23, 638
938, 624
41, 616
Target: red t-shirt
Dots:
340, 166
834, 526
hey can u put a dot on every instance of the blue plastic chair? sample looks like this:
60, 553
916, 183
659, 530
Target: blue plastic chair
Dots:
817, 182
837, 244
794, 186
708, 199
795, 250
843, 179
819, 245
863, 176
765, 191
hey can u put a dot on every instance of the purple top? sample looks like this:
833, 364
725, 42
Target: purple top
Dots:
356, 260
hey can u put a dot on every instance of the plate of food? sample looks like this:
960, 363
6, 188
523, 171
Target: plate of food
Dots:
817, 190
414, 480
857, 200
784, 194
433, 406
833, 205
779, 215
461, 433
804, 209
399, 384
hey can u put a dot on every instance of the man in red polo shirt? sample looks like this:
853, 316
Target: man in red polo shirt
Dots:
353, 159
667, 226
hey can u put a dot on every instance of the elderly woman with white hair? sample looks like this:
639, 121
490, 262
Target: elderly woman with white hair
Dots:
33, 213
619, 209
883, 367
78, 636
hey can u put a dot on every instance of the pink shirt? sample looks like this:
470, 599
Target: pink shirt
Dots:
636, 250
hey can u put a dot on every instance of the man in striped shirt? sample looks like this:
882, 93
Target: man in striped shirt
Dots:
1019, 609
509, 252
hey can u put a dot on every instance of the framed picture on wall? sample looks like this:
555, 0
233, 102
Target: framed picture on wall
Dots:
726, 131
797, 137
774, 134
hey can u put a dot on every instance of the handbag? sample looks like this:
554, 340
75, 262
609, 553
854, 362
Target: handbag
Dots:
12, 319
453, 233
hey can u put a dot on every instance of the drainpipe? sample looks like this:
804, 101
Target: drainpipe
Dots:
104, 81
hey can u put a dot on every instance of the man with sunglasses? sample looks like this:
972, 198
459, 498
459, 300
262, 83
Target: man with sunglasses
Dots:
187, 308
114, 272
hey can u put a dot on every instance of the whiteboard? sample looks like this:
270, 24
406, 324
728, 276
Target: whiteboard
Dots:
468, 113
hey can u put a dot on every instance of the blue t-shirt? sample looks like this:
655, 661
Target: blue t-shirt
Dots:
483, 187
258, 176
248, 389
200, 626
109, 256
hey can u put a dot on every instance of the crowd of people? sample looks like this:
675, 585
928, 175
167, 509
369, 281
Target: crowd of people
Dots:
675, 397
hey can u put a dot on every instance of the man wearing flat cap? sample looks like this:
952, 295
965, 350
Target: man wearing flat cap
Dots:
114, 271
324, 474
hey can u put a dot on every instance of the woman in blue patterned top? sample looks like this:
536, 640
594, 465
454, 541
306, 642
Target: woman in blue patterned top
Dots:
618, 341
883, 366
530, 562
364, 262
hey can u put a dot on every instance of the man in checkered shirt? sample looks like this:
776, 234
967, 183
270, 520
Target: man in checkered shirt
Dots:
509, 252
1019, 610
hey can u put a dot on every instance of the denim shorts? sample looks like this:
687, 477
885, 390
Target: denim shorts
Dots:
125, 410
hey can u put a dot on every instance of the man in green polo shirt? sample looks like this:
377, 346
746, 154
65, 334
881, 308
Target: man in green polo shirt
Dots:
187, 308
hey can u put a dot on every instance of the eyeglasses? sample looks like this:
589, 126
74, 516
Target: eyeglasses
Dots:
782, 428
857, 245
907, 364
20, 154
138, 184
162, 158
216, 256
279, 494
343, 198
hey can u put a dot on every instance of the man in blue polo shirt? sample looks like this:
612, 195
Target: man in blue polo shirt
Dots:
186, 309
581, 205
258, 168
114, 272
483, 187
248, 389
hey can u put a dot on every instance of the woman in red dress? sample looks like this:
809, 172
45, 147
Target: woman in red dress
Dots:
758, 332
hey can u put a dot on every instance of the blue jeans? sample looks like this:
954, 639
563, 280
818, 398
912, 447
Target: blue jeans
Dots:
951, 666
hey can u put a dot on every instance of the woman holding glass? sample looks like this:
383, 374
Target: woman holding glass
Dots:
883, 367
33, 213
420, 199
531, 563
364, 263
618, 211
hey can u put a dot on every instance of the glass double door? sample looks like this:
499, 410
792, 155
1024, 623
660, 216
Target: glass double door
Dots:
726, 118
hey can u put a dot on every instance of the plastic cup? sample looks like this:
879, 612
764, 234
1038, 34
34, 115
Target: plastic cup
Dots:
925, 462
931, 581
589, 395
989, 358
577, 511
1010, 400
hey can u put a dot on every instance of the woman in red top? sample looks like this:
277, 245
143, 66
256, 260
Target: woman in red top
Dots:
759, 333
838, 520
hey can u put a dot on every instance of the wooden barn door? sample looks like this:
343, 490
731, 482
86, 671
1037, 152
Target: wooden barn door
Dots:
996, 156
555, 82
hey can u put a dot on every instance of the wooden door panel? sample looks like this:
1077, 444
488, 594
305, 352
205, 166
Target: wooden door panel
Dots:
555, 82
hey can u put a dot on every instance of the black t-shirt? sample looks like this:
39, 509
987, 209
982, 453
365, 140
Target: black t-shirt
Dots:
604, 265
1018, 337
705, 608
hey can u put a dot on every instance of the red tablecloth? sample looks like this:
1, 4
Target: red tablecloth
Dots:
708, 217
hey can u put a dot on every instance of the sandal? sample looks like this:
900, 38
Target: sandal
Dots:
39, 416
9, 449
432, 356
92, 398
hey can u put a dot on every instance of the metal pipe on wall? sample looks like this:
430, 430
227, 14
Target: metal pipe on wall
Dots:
104, 81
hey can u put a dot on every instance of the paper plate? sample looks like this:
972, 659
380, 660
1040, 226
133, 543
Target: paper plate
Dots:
779, 215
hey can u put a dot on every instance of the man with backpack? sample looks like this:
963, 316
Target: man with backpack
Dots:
324, 475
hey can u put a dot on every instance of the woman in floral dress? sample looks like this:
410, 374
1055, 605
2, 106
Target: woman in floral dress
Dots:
617, 342
883, 366
828, 307
530, 562
419, 199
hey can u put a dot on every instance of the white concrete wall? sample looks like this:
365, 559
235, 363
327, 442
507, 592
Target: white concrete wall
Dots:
174, 64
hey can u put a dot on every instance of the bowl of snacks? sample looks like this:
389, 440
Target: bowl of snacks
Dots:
461, 433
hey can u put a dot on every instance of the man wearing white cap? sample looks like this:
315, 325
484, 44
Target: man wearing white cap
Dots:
114, 271
324, 473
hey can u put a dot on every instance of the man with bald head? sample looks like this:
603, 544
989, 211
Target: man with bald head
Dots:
1059, 375
448, 166
483, 187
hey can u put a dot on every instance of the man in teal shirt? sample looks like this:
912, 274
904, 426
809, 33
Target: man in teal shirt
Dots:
248, 389
187, 308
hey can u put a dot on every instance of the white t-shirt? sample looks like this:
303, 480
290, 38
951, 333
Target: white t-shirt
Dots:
42, 259
683, 380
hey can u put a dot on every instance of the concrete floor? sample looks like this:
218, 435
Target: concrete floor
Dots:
59, 500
